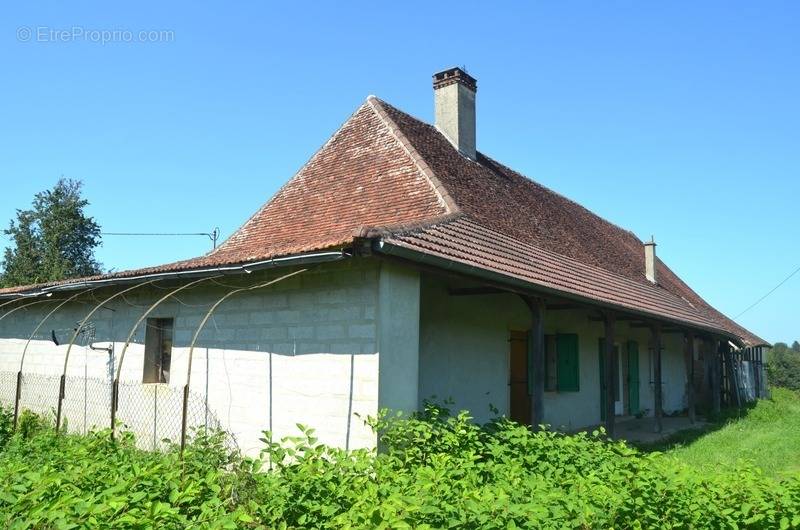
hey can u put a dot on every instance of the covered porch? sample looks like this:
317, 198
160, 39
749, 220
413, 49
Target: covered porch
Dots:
546, 360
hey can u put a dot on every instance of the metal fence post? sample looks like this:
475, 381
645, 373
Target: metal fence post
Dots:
114, 401
183, 416
61, 385
16, 398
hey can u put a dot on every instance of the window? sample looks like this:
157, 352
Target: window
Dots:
157, 350
561, 363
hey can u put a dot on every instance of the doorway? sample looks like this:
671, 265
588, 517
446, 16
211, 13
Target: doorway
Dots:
617, 376
519, 400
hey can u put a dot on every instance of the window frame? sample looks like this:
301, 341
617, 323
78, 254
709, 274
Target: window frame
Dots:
158, 344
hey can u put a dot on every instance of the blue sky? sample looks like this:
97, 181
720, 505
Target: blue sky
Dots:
679, 119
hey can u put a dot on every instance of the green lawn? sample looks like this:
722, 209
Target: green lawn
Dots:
767, 434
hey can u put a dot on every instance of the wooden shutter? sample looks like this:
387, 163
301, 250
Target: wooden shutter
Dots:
568, 374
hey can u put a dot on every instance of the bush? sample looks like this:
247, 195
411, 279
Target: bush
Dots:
783, 366
434, 471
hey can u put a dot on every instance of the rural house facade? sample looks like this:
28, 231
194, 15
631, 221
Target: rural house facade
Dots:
399, 264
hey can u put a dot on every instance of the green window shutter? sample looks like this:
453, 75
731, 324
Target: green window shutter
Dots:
568, 375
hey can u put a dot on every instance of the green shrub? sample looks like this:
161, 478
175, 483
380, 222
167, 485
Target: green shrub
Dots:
434, 471
783, 366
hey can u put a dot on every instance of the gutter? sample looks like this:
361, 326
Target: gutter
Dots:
247, 268
380, 246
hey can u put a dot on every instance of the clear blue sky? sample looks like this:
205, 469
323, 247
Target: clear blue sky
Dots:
679, 119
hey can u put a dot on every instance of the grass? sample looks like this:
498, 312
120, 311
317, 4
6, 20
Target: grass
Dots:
768, 435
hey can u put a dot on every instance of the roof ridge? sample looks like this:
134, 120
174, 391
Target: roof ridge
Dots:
441, 191
491, 161
285, 185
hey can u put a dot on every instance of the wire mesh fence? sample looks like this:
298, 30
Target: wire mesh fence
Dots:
8, 388
152, 412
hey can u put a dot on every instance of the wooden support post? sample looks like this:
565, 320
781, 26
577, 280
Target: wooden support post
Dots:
732, 364
611, 368
688, 356
657, 401
716, 380
754, 370
536, 361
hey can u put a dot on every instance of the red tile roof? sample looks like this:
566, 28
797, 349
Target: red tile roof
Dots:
385, 169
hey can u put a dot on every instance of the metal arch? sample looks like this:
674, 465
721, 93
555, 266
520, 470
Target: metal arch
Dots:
12, 301
197, 334
41, 322
23, 306
19, 374
115, 388
75, 336
18, 392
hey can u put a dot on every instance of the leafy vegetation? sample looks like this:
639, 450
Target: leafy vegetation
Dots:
783, 365
53, 240
434, 471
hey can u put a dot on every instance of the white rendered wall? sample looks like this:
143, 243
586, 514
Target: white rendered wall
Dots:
464, 356
302, 351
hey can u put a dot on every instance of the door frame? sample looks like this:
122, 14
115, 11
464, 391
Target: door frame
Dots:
519, 409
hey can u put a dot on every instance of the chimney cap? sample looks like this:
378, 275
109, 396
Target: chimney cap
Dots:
454, 75
651, 242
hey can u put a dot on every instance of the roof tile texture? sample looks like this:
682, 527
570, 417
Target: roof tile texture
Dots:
385, 169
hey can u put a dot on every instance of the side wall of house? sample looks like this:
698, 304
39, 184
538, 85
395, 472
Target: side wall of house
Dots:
464, 357
301, 351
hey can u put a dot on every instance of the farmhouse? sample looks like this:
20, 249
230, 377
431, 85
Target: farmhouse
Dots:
399, 264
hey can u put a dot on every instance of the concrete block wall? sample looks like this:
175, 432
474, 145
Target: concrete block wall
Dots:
301, 351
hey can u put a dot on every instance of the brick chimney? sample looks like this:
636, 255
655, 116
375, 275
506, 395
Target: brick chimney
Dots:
454, 97
650, 260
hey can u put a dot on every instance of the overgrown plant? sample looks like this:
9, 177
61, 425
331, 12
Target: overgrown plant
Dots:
434, 470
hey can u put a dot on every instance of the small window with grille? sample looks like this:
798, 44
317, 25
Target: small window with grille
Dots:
157, 350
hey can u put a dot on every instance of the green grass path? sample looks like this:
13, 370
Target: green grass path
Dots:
767, 435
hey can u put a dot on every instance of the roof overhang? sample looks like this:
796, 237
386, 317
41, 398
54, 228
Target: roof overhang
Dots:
386, 248
242, 268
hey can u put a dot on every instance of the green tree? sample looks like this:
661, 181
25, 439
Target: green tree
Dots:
796, 346
54, 240
783, 366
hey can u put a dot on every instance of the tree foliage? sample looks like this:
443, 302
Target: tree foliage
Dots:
783, 365
53, 240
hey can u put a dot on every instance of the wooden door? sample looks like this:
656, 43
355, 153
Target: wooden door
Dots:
519, 399
615, 379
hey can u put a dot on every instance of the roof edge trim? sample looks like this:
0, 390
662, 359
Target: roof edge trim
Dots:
244, 268
383, 247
